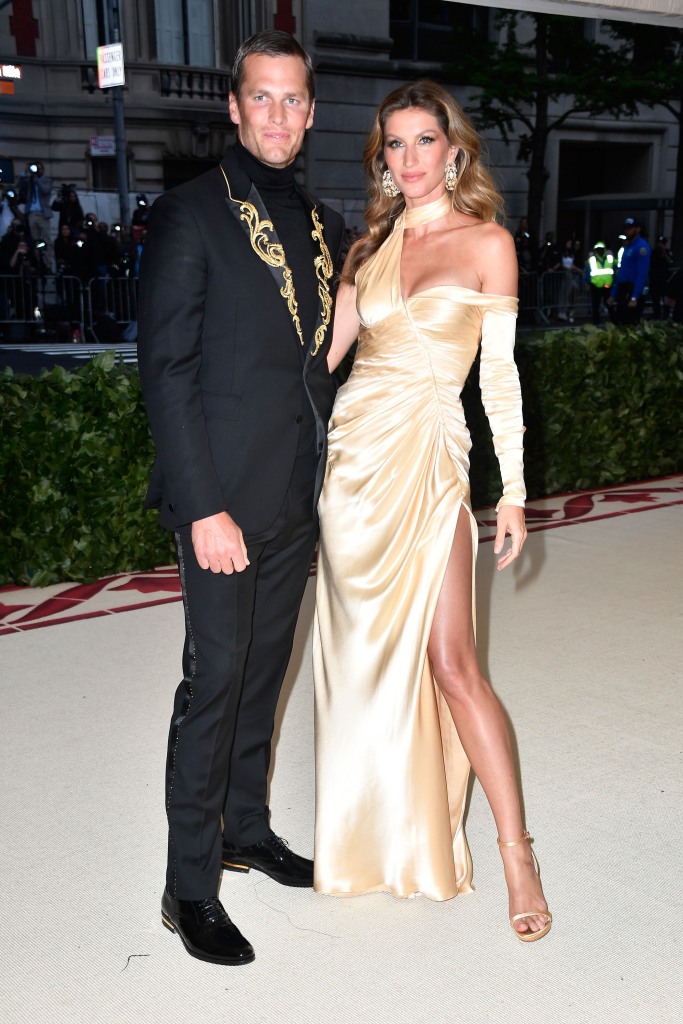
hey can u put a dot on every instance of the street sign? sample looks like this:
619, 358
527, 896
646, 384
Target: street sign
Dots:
110, 70
102, 145
9, 74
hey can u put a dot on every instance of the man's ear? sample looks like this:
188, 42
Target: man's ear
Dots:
311, 112
233, 109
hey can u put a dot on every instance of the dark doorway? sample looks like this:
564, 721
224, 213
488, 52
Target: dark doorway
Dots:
600, 168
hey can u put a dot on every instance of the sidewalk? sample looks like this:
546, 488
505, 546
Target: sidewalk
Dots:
582, 639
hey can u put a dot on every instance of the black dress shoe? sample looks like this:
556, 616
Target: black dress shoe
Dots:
274, 858
206, 930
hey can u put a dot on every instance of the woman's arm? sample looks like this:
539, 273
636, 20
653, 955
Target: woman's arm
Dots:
346, 320
346, 325
501, 393
499, 268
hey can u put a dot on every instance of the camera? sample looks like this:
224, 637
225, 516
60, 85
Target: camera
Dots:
33, 168
89, 222
10, 194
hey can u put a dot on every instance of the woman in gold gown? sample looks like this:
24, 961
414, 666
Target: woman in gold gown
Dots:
402, 709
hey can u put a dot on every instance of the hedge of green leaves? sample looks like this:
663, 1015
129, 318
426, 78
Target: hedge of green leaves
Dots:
75, 454
602, 406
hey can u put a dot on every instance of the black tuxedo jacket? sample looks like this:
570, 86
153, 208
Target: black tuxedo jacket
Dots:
221, 364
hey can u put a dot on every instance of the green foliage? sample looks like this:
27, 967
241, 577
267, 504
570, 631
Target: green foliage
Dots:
75, 454
544, 70
652, 71
602, 406
553, 63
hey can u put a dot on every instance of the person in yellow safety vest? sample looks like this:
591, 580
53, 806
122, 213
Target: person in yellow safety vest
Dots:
599, 273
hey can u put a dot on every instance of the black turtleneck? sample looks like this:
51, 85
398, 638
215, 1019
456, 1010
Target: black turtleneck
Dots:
291, 217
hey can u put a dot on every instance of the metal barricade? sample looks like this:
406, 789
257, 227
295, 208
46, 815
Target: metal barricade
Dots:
35, 307
112, 308
564, 295
530, 311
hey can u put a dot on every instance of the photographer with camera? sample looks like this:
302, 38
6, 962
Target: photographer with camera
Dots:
122, 265
35, 190
16, 253
17, 257
9, 209
68, 206
66, 253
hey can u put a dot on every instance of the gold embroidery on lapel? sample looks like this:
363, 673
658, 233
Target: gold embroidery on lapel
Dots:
323, 271
273, 254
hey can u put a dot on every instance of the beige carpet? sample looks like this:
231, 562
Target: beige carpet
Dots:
582, 640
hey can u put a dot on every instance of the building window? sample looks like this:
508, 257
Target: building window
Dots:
93, 27
424, 29
185, 32
104, 174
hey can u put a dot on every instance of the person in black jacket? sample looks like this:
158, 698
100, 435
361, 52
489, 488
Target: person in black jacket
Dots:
234, 327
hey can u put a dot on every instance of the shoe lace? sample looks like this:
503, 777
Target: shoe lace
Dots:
210, 910
277, 841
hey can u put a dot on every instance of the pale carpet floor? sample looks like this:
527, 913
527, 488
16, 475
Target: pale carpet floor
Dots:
582, 642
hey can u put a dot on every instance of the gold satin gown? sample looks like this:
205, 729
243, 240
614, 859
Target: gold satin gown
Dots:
391, 774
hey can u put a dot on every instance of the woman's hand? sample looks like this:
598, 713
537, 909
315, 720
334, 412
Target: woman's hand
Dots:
510, 521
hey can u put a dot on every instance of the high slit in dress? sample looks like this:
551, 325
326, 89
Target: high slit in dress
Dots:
391, 773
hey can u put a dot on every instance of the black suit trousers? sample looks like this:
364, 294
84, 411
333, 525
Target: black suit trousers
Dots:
621, 313
239, 635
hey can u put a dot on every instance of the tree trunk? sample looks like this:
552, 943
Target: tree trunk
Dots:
677, 226
537, 173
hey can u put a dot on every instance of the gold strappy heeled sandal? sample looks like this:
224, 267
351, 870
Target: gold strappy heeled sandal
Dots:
529, 936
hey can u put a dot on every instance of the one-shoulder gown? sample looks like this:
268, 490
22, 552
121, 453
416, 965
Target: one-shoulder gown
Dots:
391, 774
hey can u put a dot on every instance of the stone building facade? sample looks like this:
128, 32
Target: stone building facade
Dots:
177, 56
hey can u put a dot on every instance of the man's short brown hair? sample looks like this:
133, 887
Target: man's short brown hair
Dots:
272, 43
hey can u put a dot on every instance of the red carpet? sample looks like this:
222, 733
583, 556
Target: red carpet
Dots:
23, 608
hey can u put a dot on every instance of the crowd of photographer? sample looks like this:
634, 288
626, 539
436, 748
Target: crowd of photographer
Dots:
83, 247
46, 236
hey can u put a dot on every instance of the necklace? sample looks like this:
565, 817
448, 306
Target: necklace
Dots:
418, 215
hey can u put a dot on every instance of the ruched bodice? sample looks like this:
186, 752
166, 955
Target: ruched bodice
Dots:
391, 773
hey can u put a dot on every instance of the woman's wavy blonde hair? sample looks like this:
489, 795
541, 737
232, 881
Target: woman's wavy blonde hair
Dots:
474, 194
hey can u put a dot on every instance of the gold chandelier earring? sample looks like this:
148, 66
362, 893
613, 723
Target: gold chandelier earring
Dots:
389, 185
451, 174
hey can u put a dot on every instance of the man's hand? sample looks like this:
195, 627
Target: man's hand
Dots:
219, 545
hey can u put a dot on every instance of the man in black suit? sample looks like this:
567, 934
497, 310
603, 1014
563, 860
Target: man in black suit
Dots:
234, 327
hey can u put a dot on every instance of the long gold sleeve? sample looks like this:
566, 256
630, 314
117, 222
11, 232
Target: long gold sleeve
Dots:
502, 398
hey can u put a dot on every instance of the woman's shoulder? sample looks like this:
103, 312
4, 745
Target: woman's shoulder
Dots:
495, 235
494, 246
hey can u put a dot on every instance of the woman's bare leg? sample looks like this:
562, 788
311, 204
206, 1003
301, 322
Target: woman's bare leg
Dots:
481, 723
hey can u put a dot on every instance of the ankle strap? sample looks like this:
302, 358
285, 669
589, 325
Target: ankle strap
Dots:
526, 838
